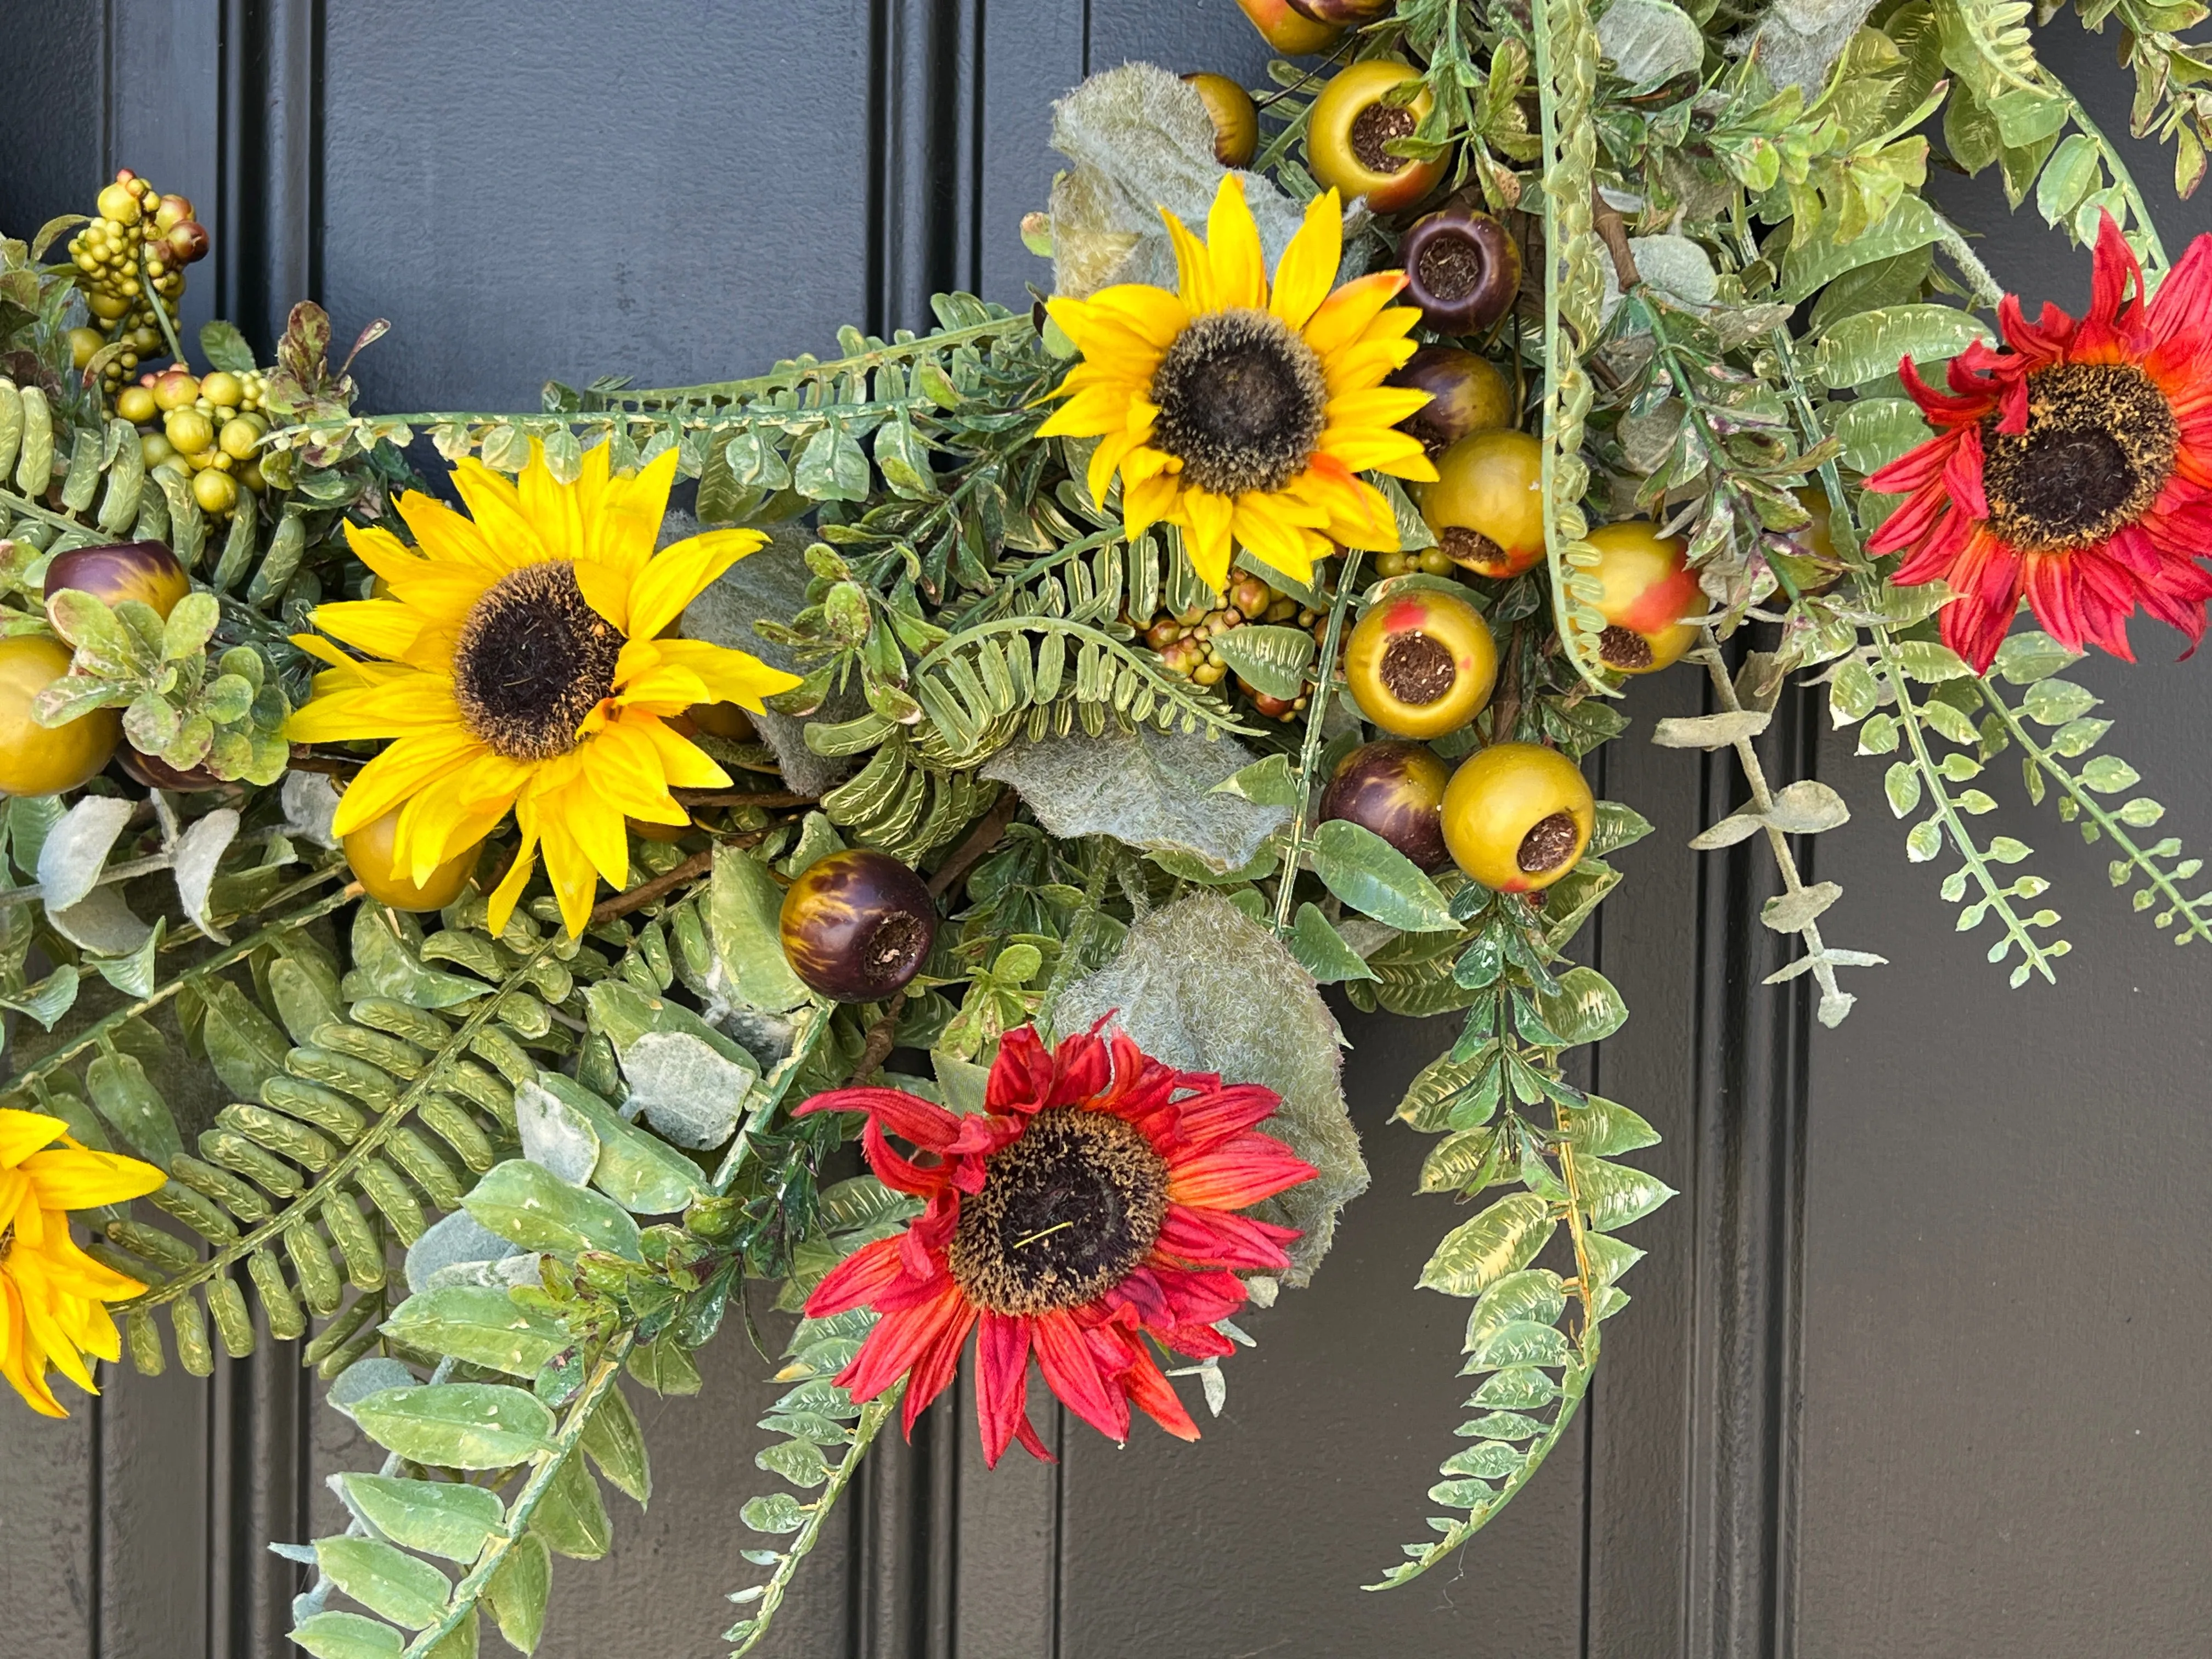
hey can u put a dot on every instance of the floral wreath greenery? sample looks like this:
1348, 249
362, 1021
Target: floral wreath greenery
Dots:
1022, 722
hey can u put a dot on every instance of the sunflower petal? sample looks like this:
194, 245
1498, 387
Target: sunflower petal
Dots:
1233, 245
412, 763
72, 1179
496, 507
631, 508
22, 1134
679, 574
1308, 263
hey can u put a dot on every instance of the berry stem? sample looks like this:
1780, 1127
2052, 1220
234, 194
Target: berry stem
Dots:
1347, 582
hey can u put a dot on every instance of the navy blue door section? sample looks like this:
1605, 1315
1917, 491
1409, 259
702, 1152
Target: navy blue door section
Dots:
1918, 1365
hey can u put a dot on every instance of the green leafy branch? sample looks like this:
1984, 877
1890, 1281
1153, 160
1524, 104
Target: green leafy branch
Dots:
2030, 660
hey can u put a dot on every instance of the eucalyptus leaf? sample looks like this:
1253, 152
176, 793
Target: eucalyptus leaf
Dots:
76, 849
198, 850
457, 1426
384, 1579
533, 1208
445, 1518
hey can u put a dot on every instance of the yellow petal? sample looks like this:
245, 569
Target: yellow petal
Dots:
404, 705
729, 676
1207, 518
496, 507
569, 869
682, 763
1152, 314
413, 762
1381, 405
551, 507
1365, 449
384, 628
1308, 263
1106, 460
1232, 245
626, 766
622, 533
445, 536
680, 573
22, 1134
606, 588
1145, 501
1089, 414
79, 1180
1194, 272
499, 908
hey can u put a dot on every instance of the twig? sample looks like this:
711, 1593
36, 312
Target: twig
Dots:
1505, 707
645, 892
1613, 231
740, 797
305, 759
980, 840
881, 1038
1324, 681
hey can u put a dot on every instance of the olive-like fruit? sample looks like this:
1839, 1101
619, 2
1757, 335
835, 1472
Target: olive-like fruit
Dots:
118, 202
238, 436
1236, 120
1467, 394
722, 720
369, 850
135, 404
177, 388
1342, 14
1648, 589
1517, 816
173, 211
190, 430
222, 389
1462, 270
45, 760
187, 241
155, 773
82, 343
1487, 506
1396, 790
857, 925
1286, 30
1349, 126
146, 571
1421, 664
215, 492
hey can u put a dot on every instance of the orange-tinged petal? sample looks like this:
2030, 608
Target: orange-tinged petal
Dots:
1308, 263
1232, 244
1340, 319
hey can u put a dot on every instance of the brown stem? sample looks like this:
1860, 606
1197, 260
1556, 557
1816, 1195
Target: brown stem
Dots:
740, 797
645, 892
338, 766
882, 1036
981, 840
1612, 230
1505, 707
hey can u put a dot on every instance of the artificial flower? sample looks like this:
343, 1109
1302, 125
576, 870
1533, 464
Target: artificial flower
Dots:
53, 1297
1241, 413
519, 665
2072, 465
1090, 1205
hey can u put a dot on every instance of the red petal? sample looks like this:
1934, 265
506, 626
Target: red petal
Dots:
1215, 1114
1149, 1390
898, 1340
937, 1365
1238, 1173
1215, 1239
1071, 1371
858, 1278
1002, 1380
907, 1116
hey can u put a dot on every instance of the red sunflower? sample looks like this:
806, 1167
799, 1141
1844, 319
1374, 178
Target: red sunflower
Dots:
2073, 466
1091, 1204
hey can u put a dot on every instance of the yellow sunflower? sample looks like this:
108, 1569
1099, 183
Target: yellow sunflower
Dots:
1242, 414
521, 666
53, 1295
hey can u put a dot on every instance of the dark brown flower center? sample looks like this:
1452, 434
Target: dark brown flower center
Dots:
1066, 1213
532, 661
1549, 844
2100, 444
1451, 267
1242, 402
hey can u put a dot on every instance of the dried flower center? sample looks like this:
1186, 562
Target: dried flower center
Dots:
1624, 648
1416, 669
532, 661
1242, 402
1470, 548
2100, 444
894, 949
1549, 844
1066, 1213
1373, 128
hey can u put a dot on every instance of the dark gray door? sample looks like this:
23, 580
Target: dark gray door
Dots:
1916, 1367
